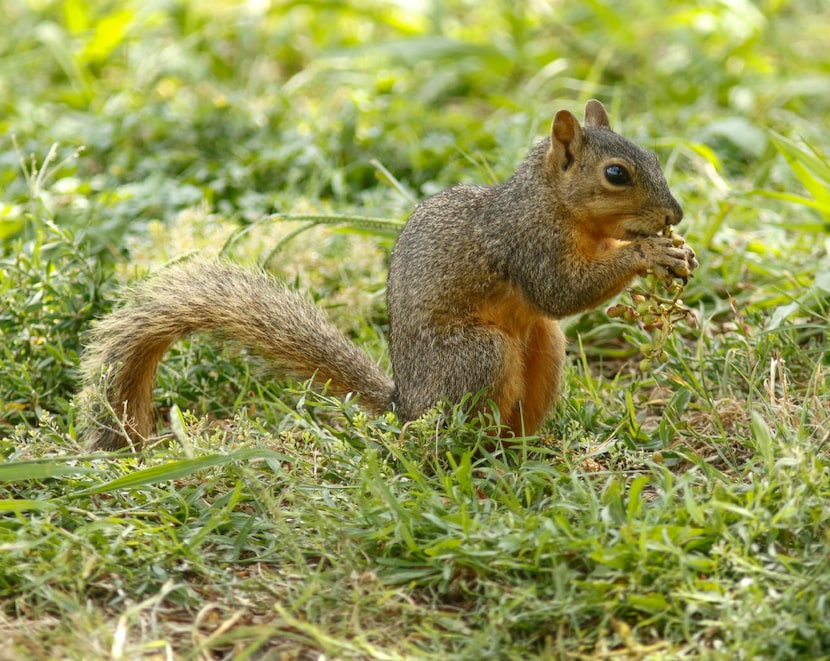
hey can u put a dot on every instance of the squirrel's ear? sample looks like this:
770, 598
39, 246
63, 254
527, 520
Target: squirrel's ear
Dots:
595, 115
565, 139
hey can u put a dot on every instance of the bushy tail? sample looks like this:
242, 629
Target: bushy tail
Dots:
250, 307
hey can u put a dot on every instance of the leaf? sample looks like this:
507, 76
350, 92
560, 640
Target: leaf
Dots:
618, 557
10, 227
635, 503
812, 170
822, 280
37, 470
692, 507
58, 43
790, 197
175, 470
763, 438
398, 571
781, 314
22, 505
109, 33
76, 15
652, 602
747, 137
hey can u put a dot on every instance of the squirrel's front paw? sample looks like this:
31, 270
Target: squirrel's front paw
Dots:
670, 257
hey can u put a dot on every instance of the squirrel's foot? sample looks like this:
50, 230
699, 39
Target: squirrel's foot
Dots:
669, 257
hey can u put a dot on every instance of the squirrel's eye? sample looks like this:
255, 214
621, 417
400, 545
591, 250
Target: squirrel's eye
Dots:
617, 175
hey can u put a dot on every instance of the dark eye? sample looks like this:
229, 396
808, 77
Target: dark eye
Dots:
617, 175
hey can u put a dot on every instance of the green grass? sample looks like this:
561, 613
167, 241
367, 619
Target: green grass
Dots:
680, 513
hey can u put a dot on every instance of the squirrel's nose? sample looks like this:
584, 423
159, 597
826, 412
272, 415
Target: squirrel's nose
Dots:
674, 214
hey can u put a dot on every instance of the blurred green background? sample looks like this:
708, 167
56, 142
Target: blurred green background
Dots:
250, 104
122, 122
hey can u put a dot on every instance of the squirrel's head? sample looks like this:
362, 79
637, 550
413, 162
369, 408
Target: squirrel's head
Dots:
606, 180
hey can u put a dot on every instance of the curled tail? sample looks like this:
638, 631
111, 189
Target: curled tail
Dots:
250, 307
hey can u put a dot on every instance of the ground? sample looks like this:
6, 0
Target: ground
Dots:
673, 512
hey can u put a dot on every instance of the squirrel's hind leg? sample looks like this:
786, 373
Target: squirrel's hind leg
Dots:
542, 360
518, 370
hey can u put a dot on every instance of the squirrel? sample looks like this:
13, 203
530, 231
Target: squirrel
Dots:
478, 279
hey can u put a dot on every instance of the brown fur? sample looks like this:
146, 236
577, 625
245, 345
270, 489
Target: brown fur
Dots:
478, 279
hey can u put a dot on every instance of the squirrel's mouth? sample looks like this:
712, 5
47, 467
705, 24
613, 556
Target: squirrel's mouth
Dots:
639, 231
632, 235
632, 228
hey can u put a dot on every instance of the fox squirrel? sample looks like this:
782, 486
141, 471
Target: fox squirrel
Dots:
477, 280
